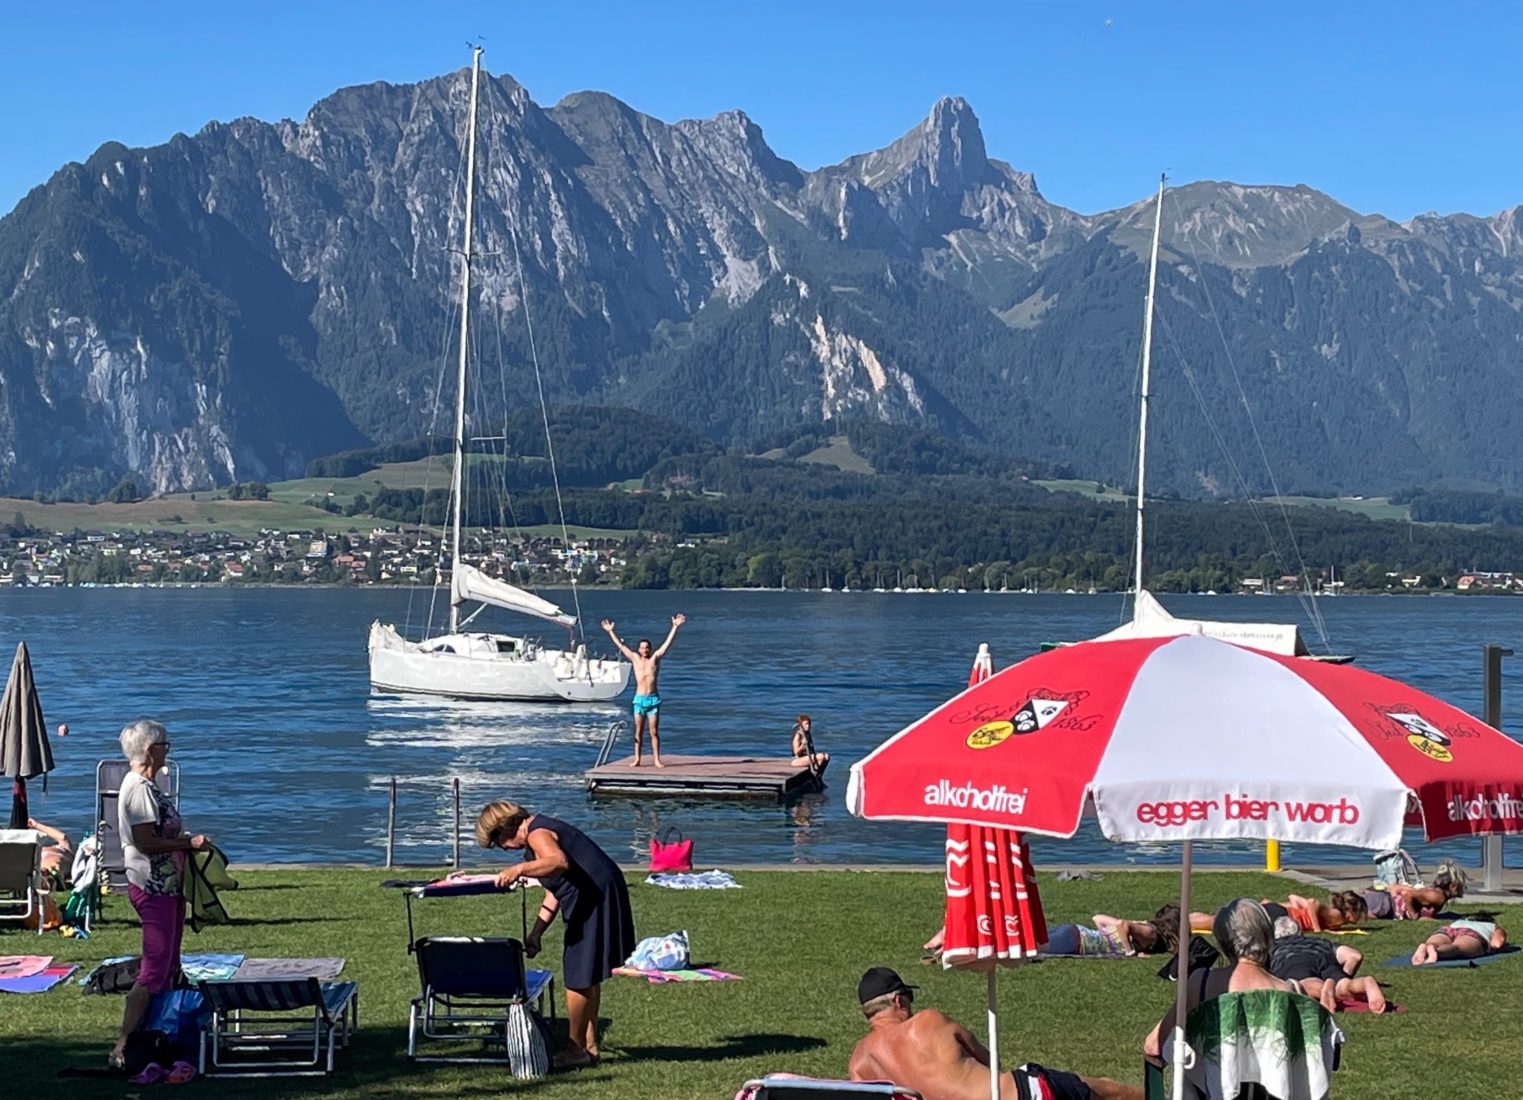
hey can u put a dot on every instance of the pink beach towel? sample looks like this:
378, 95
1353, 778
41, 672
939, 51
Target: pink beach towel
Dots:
23, 966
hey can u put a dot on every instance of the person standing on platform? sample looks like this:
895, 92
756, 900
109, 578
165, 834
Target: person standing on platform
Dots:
585, 886
647, 700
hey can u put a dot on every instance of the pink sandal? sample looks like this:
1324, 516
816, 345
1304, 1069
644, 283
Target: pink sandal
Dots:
152, 1074
180, 1073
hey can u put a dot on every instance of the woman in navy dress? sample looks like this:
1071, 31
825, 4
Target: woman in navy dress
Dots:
587, 888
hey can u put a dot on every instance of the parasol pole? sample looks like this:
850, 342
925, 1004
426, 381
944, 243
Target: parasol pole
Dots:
992, 1007
1182, 977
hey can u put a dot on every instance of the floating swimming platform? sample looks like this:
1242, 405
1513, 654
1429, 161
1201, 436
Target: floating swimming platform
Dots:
771, 777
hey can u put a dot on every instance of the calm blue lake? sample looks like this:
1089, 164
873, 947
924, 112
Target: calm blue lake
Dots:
287, 756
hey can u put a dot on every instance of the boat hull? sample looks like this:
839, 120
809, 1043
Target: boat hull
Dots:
490, 666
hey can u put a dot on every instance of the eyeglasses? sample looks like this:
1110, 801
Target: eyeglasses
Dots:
160, 745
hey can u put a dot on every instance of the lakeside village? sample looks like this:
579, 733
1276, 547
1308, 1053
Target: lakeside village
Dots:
402, 555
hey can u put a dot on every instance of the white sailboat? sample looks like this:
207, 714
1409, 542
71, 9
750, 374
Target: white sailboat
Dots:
463, 664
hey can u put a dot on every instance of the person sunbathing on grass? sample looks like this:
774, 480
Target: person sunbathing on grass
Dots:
1324, 970
1401, 902
1156, 936
1344, 909
1110, 938
940, 1059
1470, 938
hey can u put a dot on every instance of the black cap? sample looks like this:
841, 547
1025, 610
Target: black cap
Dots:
880, 981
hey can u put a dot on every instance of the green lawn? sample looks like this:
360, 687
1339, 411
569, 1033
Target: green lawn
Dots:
801, 940
1374, 507
1083, 488
177, 512
838, 452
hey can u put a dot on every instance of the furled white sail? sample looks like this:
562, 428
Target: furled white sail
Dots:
1150, 620
470, 583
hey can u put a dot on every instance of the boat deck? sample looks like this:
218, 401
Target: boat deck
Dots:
703, 777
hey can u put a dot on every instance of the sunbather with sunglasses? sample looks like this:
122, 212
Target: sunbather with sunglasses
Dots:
940, 1059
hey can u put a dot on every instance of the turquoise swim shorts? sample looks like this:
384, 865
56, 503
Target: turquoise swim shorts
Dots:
647, 704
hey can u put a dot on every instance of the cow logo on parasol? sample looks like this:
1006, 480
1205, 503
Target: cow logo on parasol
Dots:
1424, 736
1033, 715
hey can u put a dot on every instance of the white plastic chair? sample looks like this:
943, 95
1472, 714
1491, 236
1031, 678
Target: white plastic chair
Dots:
21, 876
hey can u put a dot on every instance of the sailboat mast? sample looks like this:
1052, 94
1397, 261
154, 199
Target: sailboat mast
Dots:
1147, 362
458, 490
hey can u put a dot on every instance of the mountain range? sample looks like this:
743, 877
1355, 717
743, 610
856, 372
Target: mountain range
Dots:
228, 306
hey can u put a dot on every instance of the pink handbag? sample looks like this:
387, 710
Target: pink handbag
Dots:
667, 854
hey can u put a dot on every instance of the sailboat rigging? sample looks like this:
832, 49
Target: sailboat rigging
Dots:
469, 664
1149, 618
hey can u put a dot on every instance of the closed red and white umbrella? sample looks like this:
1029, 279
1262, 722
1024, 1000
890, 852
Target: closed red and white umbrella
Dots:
993, 916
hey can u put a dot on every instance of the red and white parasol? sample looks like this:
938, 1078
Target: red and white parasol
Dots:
1191, 738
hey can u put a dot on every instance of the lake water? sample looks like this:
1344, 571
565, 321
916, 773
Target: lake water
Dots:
287, 755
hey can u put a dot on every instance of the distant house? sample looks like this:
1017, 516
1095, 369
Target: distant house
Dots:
234, 571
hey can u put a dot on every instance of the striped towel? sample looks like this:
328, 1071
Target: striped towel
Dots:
666, 977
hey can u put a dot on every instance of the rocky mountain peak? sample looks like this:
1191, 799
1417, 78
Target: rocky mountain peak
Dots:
948, 146
737, 144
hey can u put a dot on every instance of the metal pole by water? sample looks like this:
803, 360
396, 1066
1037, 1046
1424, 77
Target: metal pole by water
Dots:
1491, 714
391, 821
458, 486
457, 823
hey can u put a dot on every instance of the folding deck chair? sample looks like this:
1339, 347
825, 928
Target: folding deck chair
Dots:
108, 784
282, 1027
785, 1086
21, 876
468, 986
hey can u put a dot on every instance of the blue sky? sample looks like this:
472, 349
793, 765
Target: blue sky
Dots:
1394, 107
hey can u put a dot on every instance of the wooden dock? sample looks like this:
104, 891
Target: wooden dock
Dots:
703, 777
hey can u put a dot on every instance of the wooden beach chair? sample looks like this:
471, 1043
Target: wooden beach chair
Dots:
21, 876
468, 987
284, 1027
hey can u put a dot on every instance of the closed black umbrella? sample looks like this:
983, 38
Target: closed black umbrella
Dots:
24, 750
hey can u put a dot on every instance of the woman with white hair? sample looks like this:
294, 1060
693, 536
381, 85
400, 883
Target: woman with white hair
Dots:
153, 849
1245, 936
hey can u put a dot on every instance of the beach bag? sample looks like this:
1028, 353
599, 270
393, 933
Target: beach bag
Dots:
668, 952
114, 977
1202, 956
528, 1053
667, 854
180, 1014
1396, 867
